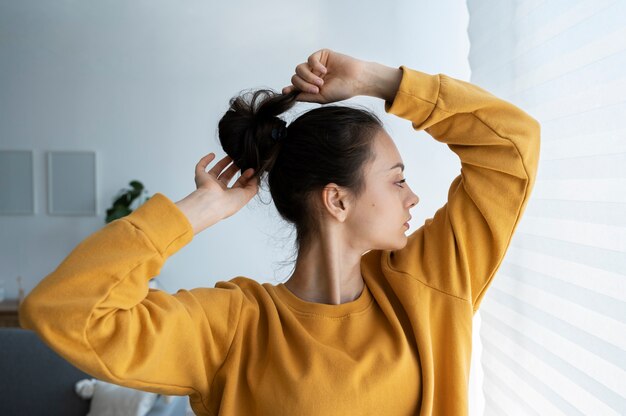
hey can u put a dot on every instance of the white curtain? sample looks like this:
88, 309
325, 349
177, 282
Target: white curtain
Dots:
553, 322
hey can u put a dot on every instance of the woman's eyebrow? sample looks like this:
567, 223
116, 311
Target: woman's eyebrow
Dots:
398, 165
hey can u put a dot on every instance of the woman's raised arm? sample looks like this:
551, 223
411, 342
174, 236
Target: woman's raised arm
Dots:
459, 250
97, 311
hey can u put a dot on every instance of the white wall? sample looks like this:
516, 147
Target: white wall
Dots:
144, 83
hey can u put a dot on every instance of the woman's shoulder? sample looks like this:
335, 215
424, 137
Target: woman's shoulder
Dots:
252, 289
244, 283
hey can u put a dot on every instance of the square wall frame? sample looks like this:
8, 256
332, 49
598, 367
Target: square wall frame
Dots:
17, 186
72, 183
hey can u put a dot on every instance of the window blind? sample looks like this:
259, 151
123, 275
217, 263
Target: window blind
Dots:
553, 322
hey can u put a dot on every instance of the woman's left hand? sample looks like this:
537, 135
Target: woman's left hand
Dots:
326, 77
329, 76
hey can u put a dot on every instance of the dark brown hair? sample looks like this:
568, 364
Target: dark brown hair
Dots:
331, 143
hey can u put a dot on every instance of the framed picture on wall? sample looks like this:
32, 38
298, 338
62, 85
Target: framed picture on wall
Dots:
17, 188
72, 183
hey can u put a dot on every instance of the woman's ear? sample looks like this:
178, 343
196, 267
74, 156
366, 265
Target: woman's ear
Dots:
335, 200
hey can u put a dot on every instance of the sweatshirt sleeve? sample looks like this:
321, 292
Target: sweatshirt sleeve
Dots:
459, 250
97, 311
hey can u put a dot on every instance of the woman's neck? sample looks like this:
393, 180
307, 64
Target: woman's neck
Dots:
327, 271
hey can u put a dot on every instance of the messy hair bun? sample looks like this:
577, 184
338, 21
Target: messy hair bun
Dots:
251, 130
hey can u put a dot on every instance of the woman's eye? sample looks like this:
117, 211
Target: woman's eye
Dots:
402, 181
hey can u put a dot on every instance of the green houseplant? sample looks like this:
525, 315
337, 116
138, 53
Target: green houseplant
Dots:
123, 200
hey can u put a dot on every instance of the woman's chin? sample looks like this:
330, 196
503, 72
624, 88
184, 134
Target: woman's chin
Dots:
401, 243
397, 244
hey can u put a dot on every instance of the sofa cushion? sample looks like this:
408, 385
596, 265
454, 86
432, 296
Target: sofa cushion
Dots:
111, 400
36, 380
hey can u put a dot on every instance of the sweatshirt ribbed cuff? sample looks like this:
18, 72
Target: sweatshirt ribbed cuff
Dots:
417, 90
163, 223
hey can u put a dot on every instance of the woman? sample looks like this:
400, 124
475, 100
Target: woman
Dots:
371, 322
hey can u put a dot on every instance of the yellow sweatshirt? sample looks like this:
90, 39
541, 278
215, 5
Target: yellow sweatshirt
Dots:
243, 348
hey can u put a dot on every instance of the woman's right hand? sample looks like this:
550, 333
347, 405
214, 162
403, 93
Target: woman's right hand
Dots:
213, 200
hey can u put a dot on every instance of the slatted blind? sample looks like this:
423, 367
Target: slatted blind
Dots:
553, 322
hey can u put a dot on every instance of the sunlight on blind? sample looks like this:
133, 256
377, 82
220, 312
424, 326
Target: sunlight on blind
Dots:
553, 323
